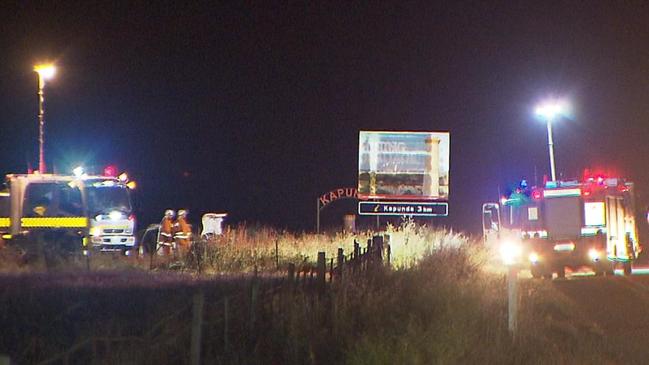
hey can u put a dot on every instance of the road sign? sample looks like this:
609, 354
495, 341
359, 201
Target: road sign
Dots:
421, 209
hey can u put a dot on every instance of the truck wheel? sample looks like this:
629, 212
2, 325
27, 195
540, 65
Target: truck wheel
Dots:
627, 268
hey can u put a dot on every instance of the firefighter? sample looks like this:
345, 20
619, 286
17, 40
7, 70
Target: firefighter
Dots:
165, 238
182, 231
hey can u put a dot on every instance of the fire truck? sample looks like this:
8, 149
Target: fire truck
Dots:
68, 212
573, 224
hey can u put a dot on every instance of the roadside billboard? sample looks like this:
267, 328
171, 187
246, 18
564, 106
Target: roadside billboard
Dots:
403, 166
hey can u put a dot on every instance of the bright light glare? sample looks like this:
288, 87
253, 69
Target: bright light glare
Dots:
115, 215
78, 171
46, 71
123, 177
593, 254
551, 109
534, 257
510, 253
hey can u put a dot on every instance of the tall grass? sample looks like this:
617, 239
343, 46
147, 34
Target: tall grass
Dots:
244, 248
438, 304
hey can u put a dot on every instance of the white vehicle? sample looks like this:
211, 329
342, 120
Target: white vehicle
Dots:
74, 212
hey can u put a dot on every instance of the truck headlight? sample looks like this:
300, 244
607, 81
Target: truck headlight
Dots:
534, 257
510, 253
593, 254
95, 231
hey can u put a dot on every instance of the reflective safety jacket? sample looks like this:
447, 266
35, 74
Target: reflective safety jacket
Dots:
182, 231
166, 231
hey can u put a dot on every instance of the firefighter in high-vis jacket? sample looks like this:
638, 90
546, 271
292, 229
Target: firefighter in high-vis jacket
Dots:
182, 231
166, 237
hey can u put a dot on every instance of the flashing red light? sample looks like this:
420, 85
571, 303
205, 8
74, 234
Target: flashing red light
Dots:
110, 170
131, 217
586, 192
536, 194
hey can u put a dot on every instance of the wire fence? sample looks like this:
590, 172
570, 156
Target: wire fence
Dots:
226, 321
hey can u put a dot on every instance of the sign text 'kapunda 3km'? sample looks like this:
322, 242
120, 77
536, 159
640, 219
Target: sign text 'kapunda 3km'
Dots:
403, 173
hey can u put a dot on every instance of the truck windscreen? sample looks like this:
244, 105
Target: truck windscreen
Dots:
563, 217
104, 199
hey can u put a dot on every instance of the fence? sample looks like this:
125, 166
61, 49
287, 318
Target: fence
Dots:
225, 325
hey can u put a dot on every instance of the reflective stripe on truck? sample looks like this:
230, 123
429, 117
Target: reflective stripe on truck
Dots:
54, 222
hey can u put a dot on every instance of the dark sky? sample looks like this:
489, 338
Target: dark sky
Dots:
255, 108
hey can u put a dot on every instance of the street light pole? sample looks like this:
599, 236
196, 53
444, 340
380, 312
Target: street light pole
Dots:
44, 72
41, 125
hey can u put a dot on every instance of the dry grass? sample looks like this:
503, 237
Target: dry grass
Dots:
440, 303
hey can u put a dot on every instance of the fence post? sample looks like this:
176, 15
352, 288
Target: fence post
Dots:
331, 269
321, 271
254, 290
197, 324
226, 324
339, 269
377, 245
512, 300
389, 254
357, 249
291, 273
277, 254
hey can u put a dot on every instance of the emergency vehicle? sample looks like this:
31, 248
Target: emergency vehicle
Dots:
574, 224
74, 212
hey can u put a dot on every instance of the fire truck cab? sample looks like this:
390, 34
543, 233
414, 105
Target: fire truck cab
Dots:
72, 212
572, 224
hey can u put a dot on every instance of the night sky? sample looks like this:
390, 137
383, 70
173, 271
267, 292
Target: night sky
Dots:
255, 108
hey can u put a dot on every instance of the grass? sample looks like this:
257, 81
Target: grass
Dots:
440, 303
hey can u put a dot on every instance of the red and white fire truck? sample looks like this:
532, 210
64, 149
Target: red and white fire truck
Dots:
574, 224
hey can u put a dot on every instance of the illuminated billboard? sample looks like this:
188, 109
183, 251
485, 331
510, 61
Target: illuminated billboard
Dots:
403, 165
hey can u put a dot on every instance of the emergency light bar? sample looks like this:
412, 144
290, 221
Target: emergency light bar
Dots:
561, 193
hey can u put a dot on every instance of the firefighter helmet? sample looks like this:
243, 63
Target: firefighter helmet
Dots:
169, 213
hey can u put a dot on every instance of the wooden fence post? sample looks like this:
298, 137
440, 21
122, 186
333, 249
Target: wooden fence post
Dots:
197, 324
339, 269
226, 324
254, 291
389, 254
357, 256
331, 269
321, 271
277, 254
377, 245
291, 273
